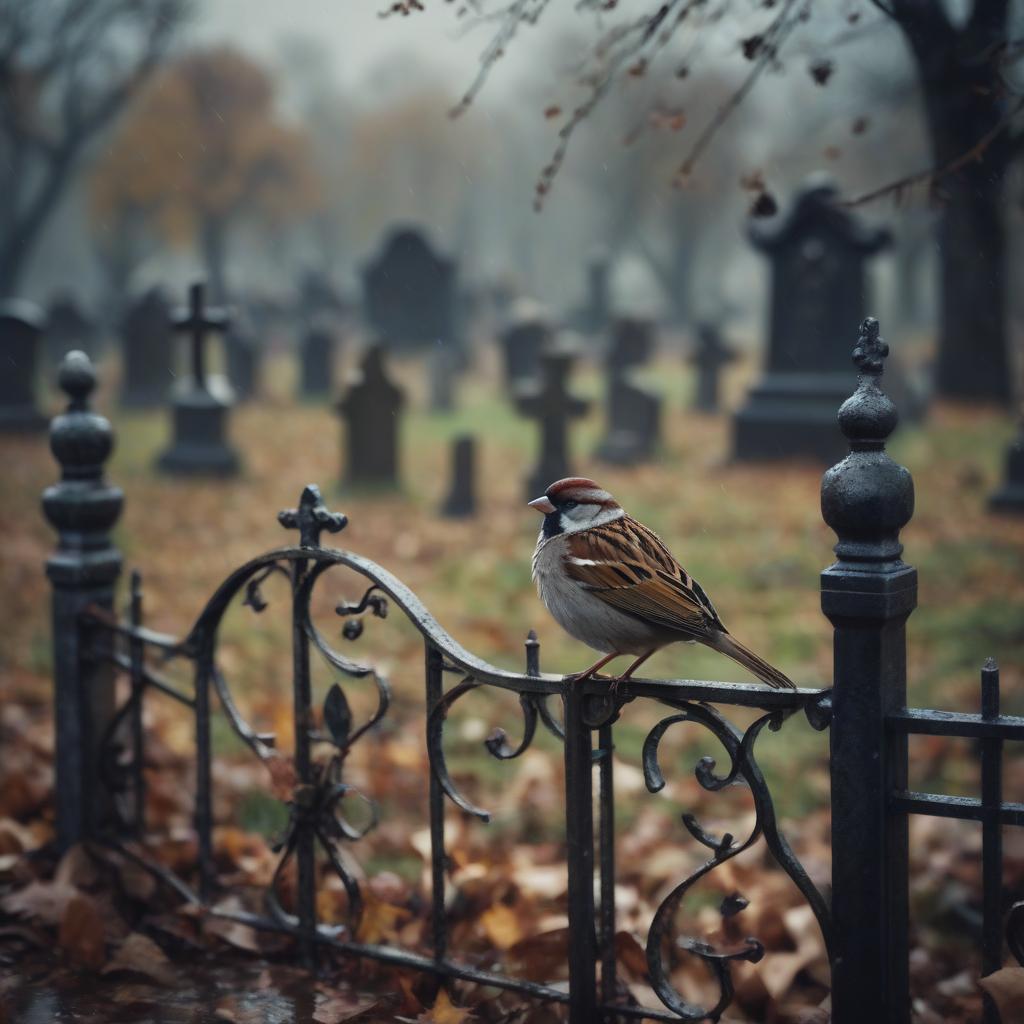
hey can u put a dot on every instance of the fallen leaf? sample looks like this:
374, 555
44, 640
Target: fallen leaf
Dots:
444, 1011
42, 901
81, 933
339, 1008
139, 954
501, 923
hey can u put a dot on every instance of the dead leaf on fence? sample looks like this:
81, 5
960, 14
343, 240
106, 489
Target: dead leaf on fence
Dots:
444, 1011
1006, 987
81, 933
139, 954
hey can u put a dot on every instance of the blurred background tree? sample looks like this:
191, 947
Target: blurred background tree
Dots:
67, 68
203, 151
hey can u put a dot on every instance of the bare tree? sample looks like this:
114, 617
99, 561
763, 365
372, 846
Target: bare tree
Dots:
67, 67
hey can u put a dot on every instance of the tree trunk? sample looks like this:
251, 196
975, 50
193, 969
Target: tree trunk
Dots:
965, 104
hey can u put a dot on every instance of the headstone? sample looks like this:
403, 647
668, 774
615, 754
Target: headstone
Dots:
443, 370
550, 403
67, 328
634, 413
372, 410
525, 335
319, 297
710, 357
598, 307
1009, 499
461, 500
243, 360
410, 293
147, 347
200, 446
21, 330
317, 354
818, 252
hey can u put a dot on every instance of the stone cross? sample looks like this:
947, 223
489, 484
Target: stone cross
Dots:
818, 252
197, 322
554, 408
200, 413
461, 500
710, 357
372, 412
21, 328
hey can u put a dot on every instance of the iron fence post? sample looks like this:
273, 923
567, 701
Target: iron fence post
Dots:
867, 595
579, 834
83, 572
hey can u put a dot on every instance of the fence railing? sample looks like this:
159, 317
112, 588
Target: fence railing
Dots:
868, 595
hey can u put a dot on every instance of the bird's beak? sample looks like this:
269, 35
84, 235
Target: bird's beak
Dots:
542, 504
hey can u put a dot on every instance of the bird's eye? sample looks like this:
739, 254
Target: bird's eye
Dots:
570, 504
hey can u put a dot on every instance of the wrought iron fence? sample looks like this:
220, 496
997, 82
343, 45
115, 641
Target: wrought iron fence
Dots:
867, 594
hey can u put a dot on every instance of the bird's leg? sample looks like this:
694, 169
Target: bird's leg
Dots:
629, 671
582, 677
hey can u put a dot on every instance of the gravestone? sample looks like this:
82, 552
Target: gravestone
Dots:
67, 328
443, 365
1009, 499
598, 307
461, 500
372, 410
818, 252
550, 402
21, 331
634, 413
525, 335
242, 351
200, 416
410, 294
147, 352
710, 357
317, 353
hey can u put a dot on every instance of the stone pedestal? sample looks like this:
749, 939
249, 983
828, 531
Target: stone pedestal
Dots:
200, 446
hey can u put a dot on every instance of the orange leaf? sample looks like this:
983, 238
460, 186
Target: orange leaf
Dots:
81, 933
444, 1011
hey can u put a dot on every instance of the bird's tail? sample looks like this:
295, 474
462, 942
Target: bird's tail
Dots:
732, 648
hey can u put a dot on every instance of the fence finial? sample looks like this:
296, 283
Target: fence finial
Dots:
311, 517
867, 498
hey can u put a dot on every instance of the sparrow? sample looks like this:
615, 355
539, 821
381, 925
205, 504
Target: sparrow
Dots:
610, 582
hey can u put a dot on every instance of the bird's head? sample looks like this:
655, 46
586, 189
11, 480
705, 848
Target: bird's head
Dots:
574, 504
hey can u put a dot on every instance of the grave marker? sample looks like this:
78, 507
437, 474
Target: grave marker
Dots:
372, 410
818, 252
21, 330
710, 357
1009, 499
317, 354
634, 413
461, 500
526, 334
550, 402
200, 416
147, 352
67, 328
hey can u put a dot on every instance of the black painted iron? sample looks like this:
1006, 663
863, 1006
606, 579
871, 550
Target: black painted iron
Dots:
868, 595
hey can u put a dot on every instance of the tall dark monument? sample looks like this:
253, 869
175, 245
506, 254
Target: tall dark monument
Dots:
818, 253
200, 446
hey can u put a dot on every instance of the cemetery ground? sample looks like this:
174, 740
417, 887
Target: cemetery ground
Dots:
751, 534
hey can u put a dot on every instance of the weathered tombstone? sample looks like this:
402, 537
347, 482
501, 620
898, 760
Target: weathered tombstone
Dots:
634, 413
1009, 498
317, 353
443, 370
319, 297
67, 328
243, 361
818, 252
598, 308
147, 347
525, 335
461, 500
21, 330
200, 446
372, 410
410, 293
710, 357
550, 402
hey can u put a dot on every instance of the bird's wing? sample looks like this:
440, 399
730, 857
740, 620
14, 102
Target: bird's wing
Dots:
626, 565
